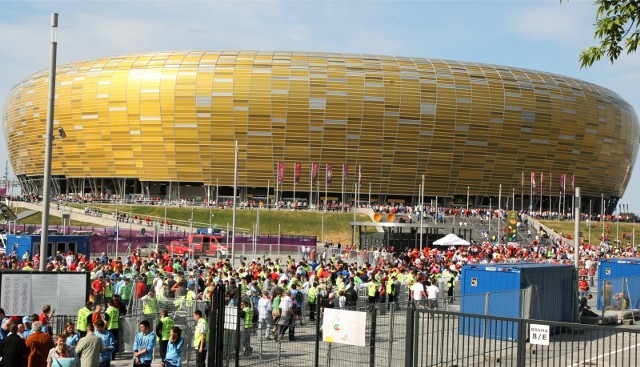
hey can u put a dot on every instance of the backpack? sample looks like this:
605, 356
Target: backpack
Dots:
297, 300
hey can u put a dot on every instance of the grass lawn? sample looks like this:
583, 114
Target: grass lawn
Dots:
336, 225
566, 227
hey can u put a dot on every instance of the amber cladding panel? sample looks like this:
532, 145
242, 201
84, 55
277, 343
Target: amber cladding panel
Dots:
174, 116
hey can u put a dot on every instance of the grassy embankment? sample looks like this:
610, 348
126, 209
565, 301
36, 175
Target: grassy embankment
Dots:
566, 227
336, 225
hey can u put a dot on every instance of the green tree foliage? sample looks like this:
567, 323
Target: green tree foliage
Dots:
616, 28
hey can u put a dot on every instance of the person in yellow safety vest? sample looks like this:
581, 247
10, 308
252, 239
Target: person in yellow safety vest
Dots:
200, 338
150, 276
185, 301
391, 289
340, 284
149, 304
372, 287
311, 300
83, 313
246, 314
112, 317
163, 331
108, 290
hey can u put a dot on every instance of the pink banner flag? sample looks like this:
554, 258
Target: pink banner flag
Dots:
280, 172
562, 184
297, 170
359, 175
329, 173
315, 167
345, 173
573, 182
541, 183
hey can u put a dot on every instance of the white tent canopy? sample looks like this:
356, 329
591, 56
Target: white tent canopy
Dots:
451, 240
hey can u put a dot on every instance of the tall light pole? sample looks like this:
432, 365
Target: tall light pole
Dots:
44, 231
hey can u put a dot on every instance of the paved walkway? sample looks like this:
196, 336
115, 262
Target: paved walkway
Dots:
76, 214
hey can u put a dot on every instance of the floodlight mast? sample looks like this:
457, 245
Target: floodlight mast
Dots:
46, 187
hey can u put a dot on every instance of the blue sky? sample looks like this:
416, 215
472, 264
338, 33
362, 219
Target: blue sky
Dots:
542, 35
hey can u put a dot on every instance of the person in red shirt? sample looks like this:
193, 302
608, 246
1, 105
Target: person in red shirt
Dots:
98, 290
47, 312
141, 288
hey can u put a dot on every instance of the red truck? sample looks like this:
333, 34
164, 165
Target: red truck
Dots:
200, 245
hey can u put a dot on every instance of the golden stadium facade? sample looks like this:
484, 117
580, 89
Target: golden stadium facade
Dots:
171, 119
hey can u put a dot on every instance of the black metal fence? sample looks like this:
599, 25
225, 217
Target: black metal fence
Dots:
442, 338
400, 334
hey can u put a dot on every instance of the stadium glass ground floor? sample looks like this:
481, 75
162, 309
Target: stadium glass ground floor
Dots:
151, 192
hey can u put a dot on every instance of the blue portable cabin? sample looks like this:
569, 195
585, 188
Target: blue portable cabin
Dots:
62, 243
497, 290
624, 276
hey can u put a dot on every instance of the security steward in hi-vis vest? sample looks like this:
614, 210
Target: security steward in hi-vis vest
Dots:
247, 316
372, 288
149, 304
312, 299
200, 338
83, 313
112, 317
163, 331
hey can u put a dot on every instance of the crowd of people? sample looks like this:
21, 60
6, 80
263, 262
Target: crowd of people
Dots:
274, 294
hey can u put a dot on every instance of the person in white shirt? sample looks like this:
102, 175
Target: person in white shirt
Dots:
432, 296
265, 320
417, 292
287, 317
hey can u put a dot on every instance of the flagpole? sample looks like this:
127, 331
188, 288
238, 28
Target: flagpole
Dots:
590, 219
310, 187
576, 227
499, 214
618, 226
235, 193
522, 192
633, 232
513, 198
342, 188
564, 194
422, 208
531, 196
559, 203
325, 194
355, 190
550, 190
467, 193
573, 200
602, 214
268, 189
541, 190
